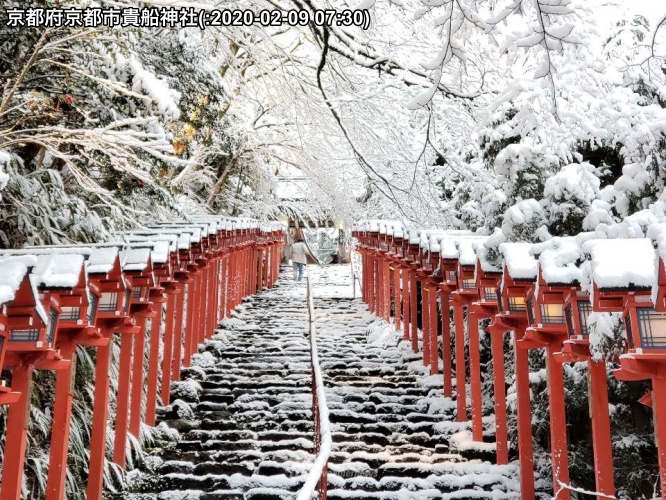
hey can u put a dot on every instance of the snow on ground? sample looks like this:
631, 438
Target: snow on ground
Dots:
248, 432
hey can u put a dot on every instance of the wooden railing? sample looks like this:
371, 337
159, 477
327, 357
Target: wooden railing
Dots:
316, 483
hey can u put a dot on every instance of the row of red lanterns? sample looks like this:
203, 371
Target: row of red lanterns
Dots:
162, 290
544, 310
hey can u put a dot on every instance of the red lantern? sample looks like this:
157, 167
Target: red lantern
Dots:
546, 317
520, 272
484, 306
28, 325
624, 273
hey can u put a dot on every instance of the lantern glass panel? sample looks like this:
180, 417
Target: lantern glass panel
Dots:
490, 293
24, 335
652, 327
469, 283
451, 276
70, 313
552, 313
517, 303
137, 291
108, 301
584, 310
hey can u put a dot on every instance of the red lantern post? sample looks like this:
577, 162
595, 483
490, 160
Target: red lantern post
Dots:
104, 271
577, 348
465, 294
545, 307
138, 269
520, 270
76, 326
434, 282
28, 326
413, 262
487, 279
423, 273
623, 274
448, 266
395, 268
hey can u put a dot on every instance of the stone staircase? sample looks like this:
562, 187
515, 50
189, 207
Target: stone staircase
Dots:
245, 425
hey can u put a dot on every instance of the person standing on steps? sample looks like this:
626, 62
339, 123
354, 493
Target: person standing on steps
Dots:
299, 256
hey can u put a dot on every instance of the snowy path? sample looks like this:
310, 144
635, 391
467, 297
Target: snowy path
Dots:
247, 432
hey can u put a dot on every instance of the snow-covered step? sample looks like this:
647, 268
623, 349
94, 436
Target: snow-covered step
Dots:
243, 412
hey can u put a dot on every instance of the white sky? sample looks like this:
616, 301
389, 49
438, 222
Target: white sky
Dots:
654, 10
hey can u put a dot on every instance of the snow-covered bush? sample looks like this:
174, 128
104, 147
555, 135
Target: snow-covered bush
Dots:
525, 221
522, 169
568, 196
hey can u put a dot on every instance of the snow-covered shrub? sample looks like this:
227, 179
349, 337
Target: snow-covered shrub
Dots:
568, 196
525, 221
522, 169
600, 212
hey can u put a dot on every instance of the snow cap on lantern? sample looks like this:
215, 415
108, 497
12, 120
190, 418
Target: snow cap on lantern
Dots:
559, 260
466, 247
623, 263
52, 267
519, 262
102, 260
29, 322
434, 239
520, 271
482, 253
194, 231
135, 257
163, 245
14, 270
467, 262
487, 274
